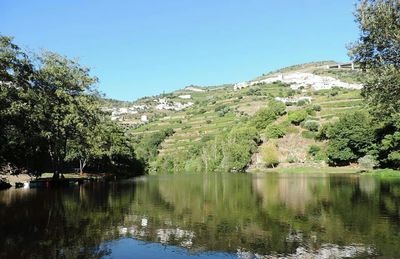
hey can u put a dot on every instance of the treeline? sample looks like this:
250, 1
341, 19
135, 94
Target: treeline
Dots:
50, 118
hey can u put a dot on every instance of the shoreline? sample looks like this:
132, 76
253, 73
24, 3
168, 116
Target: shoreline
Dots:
327, 170
23, 180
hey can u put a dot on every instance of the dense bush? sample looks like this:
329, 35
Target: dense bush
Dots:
296, 117
266, 116
274, 131
311, 125
317, 107
222, 110
350, 138
313, 150
301, 102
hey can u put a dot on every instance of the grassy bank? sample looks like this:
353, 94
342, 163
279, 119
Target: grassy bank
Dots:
384, 173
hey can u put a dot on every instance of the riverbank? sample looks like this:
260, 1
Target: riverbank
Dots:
328, 170
22, 180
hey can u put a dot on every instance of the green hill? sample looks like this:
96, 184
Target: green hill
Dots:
212, 111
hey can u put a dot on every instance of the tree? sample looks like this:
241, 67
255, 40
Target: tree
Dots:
377, 52
270, 155
267, 115
350, 138
63, 83
50, 114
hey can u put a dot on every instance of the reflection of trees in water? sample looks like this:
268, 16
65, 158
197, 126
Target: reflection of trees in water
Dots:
67, 223
259, 214
271, 213
294, 191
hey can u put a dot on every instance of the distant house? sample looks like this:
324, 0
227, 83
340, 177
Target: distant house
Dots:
240, 85
144, 118
194, 89
293, 99
185, 96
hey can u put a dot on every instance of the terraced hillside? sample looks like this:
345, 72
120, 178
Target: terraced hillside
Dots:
218, 109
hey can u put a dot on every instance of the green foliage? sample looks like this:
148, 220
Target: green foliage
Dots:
322, 132
222, 110
317, 107
313, 150
308, 134
302, 103
350, 138
270, 155
228, 152
266, 116
298, 116
377, 52
274, 131
311, 125
147, 148
50, 117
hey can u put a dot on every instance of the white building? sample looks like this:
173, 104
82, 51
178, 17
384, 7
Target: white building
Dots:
299, 79
144, 118
293, 99
241, 85
185, 96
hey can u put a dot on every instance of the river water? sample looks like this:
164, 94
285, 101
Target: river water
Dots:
206, 216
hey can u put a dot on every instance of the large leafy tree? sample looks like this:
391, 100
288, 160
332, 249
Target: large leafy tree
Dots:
50, 115
19, 140
378, 53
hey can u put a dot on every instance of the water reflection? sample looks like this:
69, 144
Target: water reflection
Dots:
243, 216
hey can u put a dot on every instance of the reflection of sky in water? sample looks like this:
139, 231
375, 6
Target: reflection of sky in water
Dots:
131, 248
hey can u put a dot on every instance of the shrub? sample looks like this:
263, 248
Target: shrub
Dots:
274, 131
292, 159
368, 162
333, 92
263, 118
270, 155
208, 121
313, 150
301, 103
279, 108
394, 159
291, 92
296, 117
311, 125
310, 111
323, 132
317, 108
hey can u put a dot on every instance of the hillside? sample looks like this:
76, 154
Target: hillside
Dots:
197, 115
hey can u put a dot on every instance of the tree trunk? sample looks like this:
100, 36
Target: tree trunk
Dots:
82, 165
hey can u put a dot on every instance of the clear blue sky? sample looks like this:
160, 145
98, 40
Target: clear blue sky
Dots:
144, 47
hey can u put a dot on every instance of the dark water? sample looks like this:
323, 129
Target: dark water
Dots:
217, 216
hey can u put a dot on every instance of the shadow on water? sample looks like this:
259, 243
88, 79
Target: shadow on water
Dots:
289, 215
